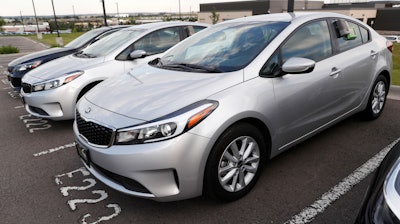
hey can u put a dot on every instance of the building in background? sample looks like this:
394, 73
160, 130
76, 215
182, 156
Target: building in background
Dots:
23, 29
381, 15
233, 10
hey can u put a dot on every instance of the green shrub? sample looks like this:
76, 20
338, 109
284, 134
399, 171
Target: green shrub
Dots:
8, 49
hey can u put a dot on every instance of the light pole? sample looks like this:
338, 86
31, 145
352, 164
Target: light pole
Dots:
117, 13
55, 19
290, 6
180, 10
22, 20
59, 39
37, 24
73, 10
104, 13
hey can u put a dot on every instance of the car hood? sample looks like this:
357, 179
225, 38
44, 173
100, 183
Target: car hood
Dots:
148, 93
60, 67
40, 54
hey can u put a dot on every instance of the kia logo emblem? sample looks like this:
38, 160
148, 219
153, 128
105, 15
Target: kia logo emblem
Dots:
88, 110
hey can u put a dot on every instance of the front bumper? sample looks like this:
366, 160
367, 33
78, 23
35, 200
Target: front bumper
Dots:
55, 104
163, 171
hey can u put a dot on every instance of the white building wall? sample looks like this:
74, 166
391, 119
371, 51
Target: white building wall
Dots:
204, 17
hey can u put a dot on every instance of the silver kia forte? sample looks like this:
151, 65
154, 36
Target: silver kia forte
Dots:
206, 116
52, 90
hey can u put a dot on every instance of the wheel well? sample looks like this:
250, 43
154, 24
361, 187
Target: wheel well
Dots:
86, 89
386, 75
263, 129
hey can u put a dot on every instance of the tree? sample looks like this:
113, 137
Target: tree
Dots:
214, 16
2, 23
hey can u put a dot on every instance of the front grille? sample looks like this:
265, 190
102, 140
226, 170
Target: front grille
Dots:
93, 132
27, 87
124, 181
10, 69
15, 82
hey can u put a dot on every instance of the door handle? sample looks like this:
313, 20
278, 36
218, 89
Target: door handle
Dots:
335, 72
373, 54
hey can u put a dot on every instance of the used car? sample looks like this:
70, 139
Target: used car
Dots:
205, 116
52, 90
382, 200
20, 66
394, 39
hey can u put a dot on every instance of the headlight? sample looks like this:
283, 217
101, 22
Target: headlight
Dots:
168, 126
54, 83
27, 66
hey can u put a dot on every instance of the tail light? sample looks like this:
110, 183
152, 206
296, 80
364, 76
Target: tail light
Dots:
389, 45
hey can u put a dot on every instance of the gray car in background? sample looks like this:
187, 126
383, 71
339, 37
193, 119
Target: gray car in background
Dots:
52, 90
20, 66
206, 116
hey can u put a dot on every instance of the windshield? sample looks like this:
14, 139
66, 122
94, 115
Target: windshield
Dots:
108, 44
222, 48
84, 38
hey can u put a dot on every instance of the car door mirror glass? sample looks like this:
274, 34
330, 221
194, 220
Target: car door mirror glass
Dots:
138, 54
298, 65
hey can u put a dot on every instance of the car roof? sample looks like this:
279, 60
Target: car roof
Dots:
288, 17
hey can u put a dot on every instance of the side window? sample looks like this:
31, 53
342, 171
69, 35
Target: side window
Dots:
190, 30
364, 34
345, 44
271, 67
158, 41
311, 41
198, 28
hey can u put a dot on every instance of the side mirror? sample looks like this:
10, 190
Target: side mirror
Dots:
297, 65
137, 54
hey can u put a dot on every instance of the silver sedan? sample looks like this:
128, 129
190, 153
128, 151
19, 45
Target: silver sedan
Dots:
52, 90
206, 116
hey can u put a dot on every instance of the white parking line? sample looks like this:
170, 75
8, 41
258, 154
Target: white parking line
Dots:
309, 213
70, 145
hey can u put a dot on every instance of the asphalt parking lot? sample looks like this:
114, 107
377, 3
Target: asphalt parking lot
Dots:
43, 181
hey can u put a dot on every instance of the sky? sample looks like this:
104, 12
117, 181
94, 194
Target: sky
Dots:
67, 7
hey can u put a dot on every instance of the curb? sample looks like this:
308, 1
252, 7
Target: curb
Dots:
394, 93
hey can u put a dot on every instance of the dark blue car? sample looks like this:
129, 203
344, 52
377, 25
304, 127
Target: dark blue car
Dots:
382, 200
20, 66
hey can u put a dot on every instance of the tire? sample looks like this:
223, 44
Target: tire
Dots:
377, 98
231, 171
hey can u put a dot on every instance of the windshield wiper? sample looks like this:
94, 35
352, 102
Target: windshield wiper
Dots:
191, 67
82, 54
203, 68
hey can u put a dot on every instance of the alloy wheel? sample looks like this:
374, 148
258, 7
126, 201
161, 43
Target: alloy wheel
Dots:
379, 97
239, 164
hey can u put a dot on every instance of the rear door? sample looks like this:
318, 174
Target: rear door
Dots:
356, 60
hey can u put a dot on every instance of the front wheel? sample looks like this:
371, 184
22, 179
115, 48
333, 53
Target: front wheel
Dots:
377, 98
235, 163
